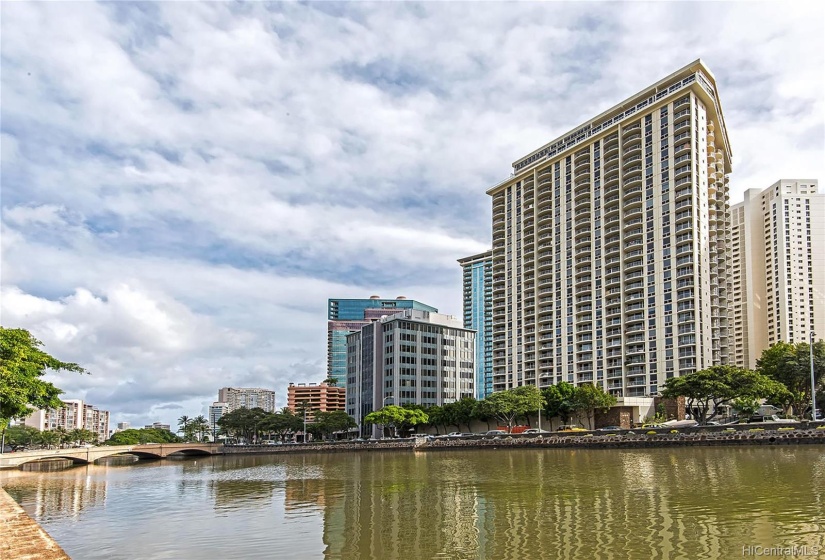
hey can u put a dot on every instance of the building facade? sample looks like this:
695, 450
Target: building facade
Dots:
317, 397
245, 397
478, 315
216, 411
413, 356
73, 415
778, 267
345, 316
610, 246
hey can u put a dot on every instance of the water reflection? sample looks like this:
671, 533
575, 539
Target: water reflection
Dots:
509, 504
61, 495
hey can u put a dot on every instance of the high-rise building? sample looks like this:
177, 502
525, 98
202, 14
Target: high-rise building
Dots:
73, 415
317, 397
414, 357
778, 267
245, 397
611, 246
478, 315
216, 411
346, 316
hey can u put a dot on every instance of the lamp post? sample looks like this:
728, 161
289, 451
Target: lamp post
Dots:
305, 424
813, 379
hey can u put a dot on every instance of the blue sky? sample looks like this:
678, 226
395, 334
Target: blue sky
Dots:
185, 184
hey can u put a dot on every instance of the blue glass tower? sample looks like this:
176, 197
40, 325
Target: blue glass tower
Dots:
346, 316
478, 315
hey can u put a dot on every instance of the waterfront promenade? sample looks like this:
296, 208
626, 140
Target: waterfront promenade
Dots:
22, 538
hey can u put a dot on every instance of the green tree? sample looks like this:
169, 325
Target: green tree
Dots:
394, 417
200, 426
20, 437
49, 439
331, 381
436, 417
746, 406
327, 423
589, 398
134, 436
463, 412
22, 364
244, 423
790, 365
560, 401
719, 385
184, 423
507, 406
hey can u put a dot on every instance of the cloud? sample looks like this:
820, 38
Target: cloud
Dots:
185, 184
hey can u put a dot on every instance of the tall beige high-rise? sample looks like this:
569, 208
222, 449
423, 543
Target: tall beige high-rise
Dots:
611, 246
778, 239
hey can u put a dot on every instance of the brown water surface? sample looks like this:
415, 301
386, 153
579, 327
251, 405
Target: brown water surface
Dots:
497, 504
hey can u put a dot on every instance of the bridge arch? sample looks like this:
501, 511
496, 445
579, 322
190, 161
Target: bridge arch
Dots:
67, 457
189, 453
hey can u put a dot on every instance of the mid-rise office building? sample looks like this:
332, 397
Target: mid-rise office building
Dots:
413, 356
778, 267
73, 415
346, 316
158, 426
246, 397
611, 246
316, 397
478, 315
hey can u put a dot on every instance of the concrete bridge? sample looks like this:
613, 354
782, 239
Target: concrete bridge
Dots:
85, 455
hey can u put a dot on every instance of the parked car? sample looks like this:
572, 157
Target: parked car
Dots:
454, 434
571, 428
609, 428
535, 431
772, 419
496, 433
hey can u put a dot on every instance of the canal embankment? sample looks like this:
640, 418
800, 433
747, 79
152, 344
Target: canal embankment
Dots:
608, 440
21, 538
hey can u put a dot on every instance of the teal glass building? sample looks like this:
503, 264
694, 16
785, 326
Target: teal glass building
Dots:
478, 316
345, 316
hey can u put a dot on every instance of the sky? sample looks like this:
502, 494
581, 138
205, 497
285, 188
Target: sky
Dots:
184, 185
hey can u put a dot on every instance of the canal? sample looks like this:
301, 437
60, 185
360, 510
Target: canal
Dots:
497, 504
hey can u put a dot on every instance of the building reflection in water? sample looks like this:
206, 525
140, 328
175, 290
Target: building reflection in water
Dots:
558, 504
63, 494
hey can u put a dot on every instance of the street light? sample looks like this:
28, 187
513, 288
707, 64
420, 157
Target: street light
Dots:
813, 380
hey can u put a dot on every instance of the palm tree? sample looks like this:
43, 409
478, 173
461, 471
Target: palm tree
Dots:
200, 425
183, 424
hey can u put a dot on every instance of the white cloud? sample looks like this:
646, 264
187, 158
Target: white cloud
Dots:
185, 184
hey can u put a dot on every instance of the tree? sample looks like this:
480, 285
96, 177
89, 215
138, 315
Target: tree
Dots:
244, 423
331, 381
560, 401
589, 398
790, 365
719, 385
507, 406
22, 364
134, 436
20, 437
49, 438
200, 426
463, 411
393, 417
327, 423
746, 406
183, 426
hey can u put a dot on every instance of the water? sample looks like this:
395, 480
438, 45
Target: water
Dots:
496, 504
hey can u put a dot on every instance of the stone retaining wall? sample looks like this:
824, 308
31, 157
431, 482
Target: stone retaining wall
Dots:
21, 538
633, 439
638, 439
